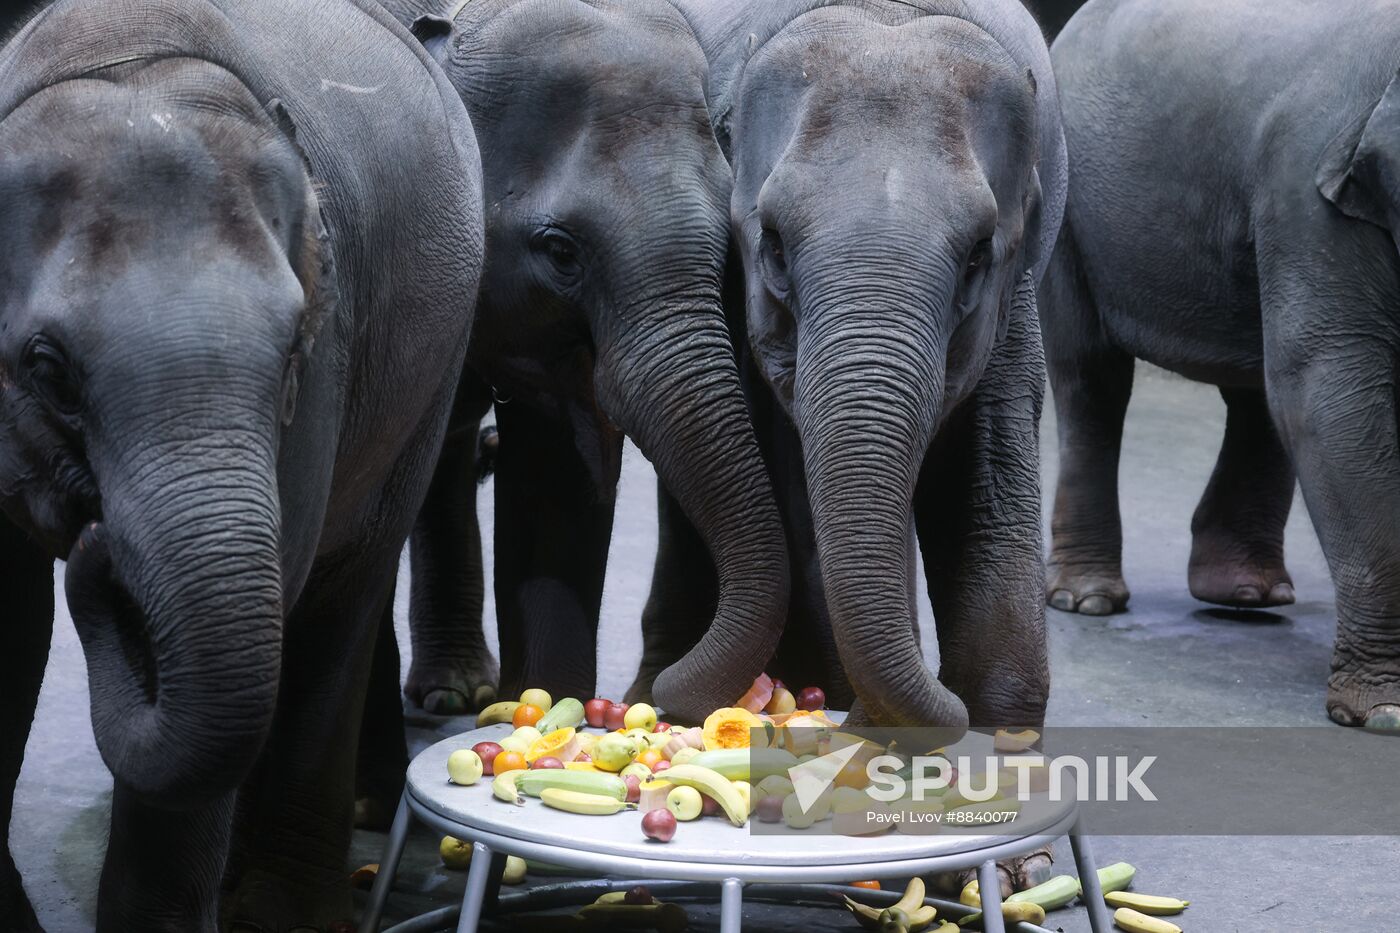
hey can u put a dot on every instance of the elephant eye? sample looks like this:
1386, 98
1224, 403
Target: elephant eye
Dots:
51, 376
560, 250
773, 263
977, 260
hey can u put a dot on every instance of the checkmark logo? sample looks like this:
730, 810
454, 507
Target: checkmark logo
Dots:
812, 778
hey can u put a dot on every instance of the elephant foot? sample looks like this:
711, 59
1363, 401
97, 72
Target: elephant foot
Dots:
444, 690
1017, 874
640, 691
1090, 591
1373, 704
267, 903
1242, 583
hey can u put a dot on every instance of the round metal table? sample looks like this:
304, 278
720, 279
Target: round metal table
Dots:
703, 850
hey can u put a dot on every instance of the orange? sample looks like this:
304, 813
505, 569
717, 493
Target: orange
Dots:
508, 761
650, 757
526, 715
871, 885
853, 775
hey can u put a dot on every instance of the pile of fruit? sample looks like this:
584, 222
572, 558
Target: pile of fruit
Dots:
1138, 913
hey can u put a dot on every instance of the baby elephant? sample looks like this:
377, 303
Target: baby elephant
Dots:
237, 273
1232, 218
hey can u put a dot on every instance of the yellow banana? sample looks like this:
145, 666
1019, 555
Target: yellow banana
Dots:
913, 897
1127, 919
713, 785
572, 801
1146, 903
921, 918
970, 896
504, 711
503, 786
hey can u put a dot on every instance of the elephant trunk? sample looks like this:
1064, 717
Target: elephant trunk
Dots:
866, 400
674, 388
176, 592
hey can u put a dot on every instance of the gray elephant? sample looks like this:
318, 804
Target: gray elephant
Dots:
899, 176
239, 263
1231, 218
600, 316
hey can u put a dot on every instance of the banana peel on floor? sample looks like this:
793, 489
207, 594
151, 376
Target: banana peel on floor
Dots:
909, 915
609, 913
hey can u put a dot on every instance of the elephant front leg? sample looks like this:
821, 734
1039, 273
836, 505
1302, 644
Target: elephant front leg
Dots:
1092, 381
452, 671
383, 753
1237, 531
556, 486
28, 595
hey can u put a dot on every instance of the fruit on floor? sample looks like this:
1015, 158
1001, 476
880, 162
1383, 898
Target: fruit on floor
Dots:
729, 728
1146, 903
455, 853
595, 710
811, 698
639, 716
526, 714
572, 801
464, 767
504, 711
1051, 895
1116, 877
487, 752
1125, 918
685, 803
538, 698
515, 870
868, 885
509, 761
613, 752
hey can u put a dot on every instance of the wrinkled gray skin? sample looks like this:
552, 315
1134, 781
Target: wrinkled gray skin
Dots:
241, 250
899, 176
600, 315
1232, 218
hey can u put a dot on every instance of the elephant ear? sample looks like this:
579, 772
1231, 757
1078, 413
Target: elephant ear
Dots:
435, 33
1359, 172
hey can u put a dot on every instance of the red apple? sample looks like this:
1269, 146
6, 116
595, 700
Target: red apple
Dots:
487, 752
709, 806
811, 698
614, 715
594, 711
659, 825
640, 896
661, 727
546, 762
770, 810
634, 788
660, 766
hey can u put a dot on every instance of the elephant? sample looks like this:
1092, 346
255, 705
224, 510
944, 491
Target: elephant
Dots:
242, 247
1231, 218
899, 178
600, 316
1053, 14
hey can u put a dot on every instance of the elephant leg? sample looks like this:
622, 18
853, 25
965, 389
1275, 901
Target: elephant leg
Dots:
452, 671
684, 591
383, 751
1091, 380
294, 817
1332, 391
556, 485
977, 513
1237, 531
28, 589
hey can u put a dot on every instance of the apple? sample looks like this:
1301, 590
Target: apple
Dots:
660, 766
595, 710
640, 716
662, 727
659, 825
811, 698
634, 787
615, 717
770, 810
464, 767
487, 752
709, 806
686, 803
545, 763
638, 897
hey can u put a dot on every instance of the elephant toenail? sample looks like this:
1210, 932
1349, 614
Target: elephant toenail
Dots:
445, 702
1095, 606
1062, 600
1341, 716
1384, 717
483, 697
1249, 595
1282, 594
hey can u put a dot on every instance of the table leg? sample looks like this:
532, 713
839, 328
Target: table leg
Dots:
388, 866
476, 888
731, 906
1099, 920
989, 888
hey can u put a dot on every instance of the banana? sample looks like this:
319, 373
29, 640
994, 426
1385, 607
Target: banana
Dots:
1116, 877
913, 897
504, 711
1146, 903
910, 907
1127, 919
598, 783
566, 714
868, 916
970, 896
503, 787
1012, 913
572, 801
921, 918
714, 785
746, 764
655, 916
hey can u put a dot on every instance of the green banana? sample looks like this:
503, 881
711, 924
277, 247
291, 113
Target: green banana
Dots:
503, 711
503, 786
572, 801
1146, 903
746, 764
1127, 919
566, 714
715, 786
1116, 877
536, 782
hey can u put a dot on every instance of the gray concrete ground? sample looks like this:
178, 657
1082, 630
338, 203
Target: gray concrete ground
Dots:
1168, 661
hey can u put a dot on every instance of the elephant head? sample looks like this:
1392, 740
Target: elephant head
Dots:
607, 235
884, 183
159, 271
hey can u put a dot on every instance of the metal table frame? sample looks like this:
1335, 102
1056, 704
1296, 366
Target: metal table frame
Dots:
731, 878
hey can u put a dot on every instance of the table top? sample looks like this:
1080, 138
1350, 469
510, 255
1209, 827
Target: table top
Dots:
707, 842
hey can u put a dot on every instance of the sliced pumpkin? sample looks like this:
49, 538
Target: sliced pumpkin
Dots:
561, 743
729, 728
1007, 741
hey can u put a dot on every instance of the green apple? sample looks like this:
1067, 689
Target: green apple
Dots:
640, 716
464, 767
685, 803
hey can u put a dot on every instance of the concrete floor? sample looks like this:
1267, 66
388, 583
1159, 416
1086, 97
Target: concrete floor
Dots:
1169, 661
